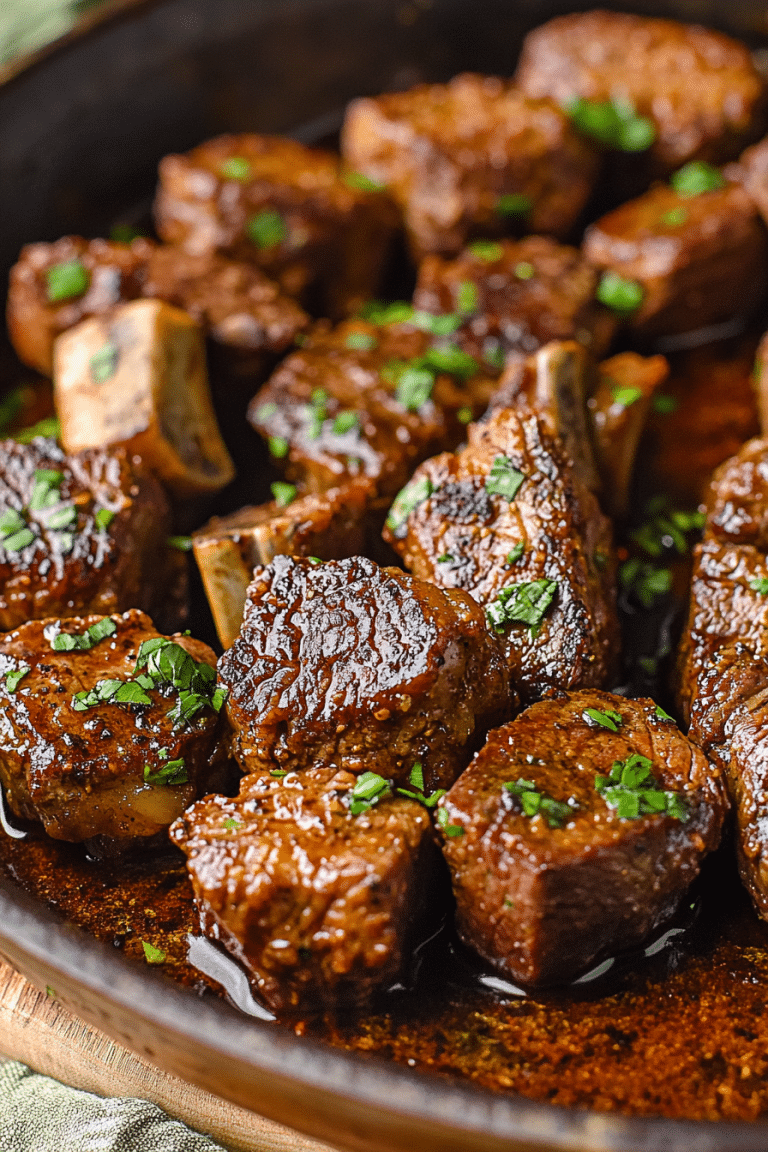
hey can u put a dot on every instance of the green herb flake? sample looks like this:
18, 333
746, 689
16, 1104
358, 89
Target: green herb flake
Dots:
524, 270
446, 558
103, 364
104, 517
236, 168
170, 775
660, 714
49, 428
521, 603
438, 324
612, 123
368, 790
49, 991
65, 517
361, 183
451, 359
278, 773
360, 342
504, 479
627, 395
464, 415
152, 954
84, 641
621, 295
675, 217
514, 204
346, 422
534, 803
406, 501
267, 229
14, 677
632, 790
18, 540
467, 297
416, 776
513, 556
45, 489
645, 581
11, 521
414, 388
604, 719
316, 412
282, 493
445, 824
398, 312
232, 825
265, 411
486, 250
66, 280
695, 178
759, 584
278, 446
665, 405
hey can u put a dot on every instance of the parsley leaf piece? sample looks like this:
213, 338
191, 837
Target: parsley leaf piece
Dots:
231, 824
278, 446
612, 123
45, 490
104, 517
416, 777
464, 415
399, 312
467, 297
264, 411
84, 641
236, 168
516, 553
486, 250
368, 790
660, 714
533, 802
267, 229
521, 603
66, 280
627, 395
19, 540
453, 360
360, 341
278, 773
152, 954
448, 828
48, 428
170, 775
64, 517
361, 183
414, 387
282, 493
446, 558
618, 293
760, 585
439, 324
14, 677
645, 581
11, 521
346, 421
406, 501
632, 790
181, 543
103, 363
675, 217
605, 719
514, 204
504, 479
695, 178
524, 270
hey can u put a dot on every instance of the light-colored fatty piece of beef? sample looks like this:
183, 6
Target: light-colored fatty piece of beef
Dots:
700, 88
474, 157
582, 823
328, 525
729, 721
83, 533
507, 520
55, 286
344, 663
737, 498
94, 748
318, 903
693, 260
322, 233
368, 399
514, 296
138, 377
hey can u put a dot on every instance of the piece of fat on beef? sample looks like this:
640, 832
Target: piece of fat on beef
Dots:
507, 521
319, 900
575, 832
94, 748
84, 532
344, 663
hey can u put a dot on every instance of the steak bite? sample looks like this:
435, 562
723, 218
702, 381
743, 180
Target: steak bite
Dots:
582, 823
470, 158
506, 520
316, 892
363, 668
107, 727
682, 257
369, 399
514, 296
737, 498
700, 88
83, 533
316, 230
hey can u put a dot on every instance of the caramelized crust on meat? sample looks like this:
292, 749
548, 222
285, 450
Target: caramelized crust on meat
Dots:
540, 902
737, 498
449, 152
111, 556
700, 88
82, 773
318, 904
461, 535
362, 667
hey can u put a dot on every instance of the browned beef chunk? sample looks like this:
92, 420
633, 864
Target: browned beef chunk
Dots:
737, 498
328, 525
752, 171
365, 668
700, 88
694, 260
289, 209
367, 399
82, 533
318, 903
234, 302
470, 158
506, 520
77, 754
576, 831
514, 296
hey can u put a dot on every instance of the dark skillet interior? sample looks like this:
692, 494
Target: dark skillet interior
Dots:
81, 131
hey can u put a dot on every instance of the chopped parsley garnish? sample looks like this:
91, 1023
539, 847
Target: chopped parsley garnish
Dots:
626, 395
504, 479
278, 446
416, 776
231, 824
514, 204
438, 324
283, 493
110, 692
695, 178
414, 387
15, 676
613, 123
645, 581
346, 421
666, 528
11, 521
361, 183
495, 356
407, 499
102, 364
416, 791
264, 411
759, 584
368, 790
522, 604
236, 168
317, 412
486, 250
660, 714
45, 490
632, 790
152, 954
524, 270
665, 405
448, 828
170, 775
451, 359
267, 229
64, 517
63, 281
278, 773
675, 217
464, 415
104, 517
180, 543
399, 312
446, 558
604, 719
534, 803
84, 641
621, 295
48, 428
516, 553
467, 297
360, 341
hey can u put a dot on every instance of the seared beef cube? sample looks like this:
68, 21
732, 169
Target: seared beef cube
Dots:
92, 747
138, 377
752, 172
288, 208
507, 521
737, 498
470, 158
700, 88
368, 399
729, 605
361, 667
318, 903
329, 525
55, 286
514, 296
82, 533
691, 260
575, 832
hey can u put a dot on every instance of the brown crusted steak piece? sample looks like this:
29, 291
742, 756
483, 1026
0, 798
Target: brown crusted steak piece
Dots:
328, 525
507, 521
361, 667
83, 533
76, 754
313, 228
368, 399
700, 88
699, 259
737, 498
514, 296
471, 158
319, 904
583, 822
234, 302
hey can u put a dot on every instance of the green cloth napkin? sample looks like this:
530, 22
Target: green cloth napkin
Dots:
38, 1114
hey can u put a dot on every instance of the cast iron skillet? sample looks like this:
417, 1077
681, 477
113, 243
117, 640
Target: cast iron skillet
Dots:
82, 126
